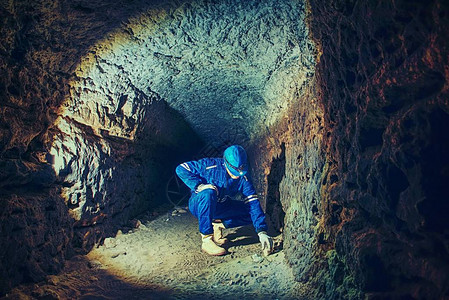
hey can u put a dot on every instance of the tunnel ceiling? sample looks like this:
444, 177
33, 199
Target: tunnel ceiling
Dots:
233, 64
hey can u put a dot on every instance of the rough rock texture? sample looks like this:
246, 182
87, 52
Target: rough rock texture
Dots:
35, 234
108, 179
383, 80
220, 64
289, 165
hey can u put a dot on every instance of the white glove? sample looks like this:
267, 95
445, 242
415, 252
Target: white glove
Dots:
203, 187
267, 242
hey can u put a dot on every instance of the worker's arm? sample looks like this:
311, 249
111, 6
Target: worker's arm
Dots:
255, 210
189, 172
257, 216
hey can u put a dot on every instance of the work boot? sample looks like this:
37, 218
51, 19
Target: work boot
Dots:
218, 233
208, 245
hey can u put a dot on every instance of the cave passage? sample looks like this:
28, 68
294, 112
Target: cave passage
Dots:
176, 83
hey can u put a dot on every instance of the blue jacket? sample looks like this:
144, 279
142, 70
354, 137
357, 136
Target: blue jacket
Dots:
213, 171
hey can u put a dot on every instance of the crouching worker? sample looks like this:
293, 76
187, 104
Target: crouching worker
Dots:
213, 182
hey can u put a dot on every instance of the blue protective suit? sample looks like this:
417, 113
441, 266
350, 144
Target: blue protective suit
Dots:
207, 205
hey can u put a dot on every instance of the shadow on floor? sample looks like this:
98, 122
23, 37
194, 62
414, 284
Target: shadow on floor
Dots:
241, 236
84, 279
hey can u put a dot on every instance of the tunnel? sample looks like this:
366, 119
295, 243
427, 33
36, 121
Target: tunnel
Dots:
341, 105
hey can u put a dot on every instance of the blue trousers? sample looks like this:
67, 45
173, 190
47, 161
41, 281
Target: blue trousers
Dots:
205, 208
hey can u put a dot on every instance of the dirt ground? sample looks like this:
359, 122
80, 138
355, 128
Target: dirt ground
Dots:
162, 259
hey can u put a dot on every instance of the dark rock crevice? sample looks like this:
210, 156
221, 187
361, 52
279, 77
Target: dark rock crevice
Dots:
273, 198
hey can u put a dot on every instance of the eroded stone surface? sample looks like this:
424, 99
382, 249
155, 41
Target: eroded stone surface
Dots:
383, 82
294, 146
220, 64
35, 236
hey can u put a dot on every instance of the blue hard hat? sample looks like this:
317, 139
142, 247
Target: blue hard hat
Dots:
236, 160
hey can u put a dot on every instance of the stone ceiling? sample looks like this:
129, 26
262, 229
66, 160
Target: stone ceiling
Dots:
232, 65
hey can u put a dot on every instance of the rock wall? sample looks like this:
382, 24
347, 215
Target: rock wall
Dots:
383, 81
35, 235
108, 179
289, 166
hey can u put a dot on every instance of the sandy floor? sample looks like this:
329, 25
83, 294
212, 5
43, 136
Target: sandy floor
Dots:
162, 259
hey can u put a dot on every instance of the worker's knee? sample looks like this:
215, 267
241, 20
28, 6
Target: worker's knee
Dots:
202, 201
